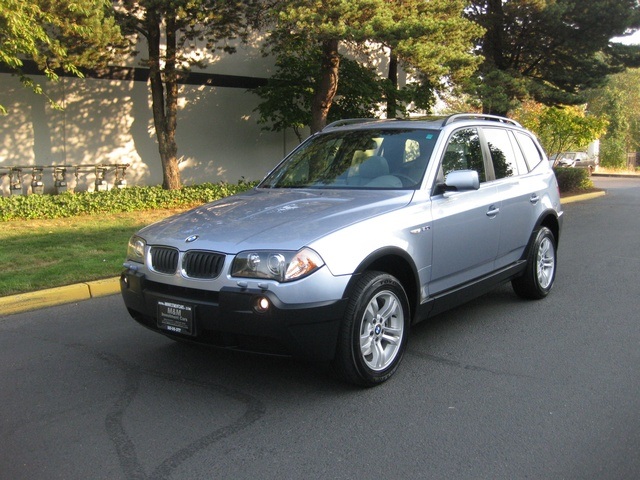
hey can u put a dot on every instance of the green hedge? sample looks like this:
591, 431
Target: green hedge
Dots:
149, 198
114, 201
573, 179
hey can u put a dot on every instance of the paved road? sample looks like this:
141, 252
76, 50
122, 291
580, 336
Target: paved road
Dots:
497, 389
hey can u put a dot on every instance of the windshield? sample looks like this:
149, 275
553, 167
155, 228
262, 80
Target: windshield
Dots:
369, 159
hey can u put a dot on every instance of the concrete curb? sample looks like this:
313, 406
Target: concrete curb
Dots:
50, 297
584, 196
615, 175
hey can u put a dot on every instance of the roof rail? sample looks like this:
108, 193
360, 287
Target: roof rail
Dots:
350, 121
478, 116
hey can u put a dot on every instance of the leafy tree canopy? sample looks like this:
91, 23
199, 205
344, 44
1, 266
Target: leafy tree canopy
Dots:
287, 98
561, 128
550, 50
431, 39
56, 34
619, 101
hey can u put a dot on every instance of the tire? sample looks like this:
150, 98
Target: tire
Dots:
374, 331
540, 272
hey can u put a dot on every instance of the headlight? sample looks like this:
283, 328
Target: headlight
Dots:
280, 266
135, 249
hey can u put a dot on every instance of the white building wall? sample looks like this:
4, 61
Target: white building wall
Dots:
110, 121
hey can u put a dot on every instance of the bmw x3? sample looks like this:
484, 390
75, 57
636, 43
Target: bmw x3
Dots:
365, 229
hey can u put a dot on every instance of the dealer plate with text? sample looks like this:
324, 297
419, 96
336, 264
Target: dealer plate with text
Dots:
175, 317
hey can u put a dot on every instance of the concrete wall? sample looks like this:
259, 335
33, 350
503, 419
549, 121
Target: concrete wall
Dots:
109, 121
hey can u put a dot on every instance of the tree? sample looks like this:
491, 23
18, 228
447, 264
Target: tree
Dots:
561, 129
173, 29
288, 96
432, 40
619, 101
322, 26
550, 50
57, 35
429, 38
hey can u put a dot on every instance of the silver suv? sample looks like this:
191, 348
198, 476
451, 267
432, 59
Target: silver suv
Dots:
366, 228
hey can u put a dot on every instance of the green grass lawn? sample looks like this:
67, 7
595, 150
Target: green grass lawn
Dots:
37, 254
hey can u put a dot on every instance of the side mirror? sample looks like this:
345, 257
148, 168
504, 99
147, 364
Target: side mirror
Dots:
460, 180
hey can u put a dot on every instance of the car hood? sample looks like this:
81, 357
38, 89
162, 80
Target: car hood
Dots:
285, 219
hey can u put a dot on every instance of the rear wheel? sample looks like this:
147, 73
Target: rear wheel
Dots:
374, 331
540, 273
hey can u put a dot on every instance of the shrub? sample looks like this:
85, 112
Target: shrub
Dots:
573, 179
114, 201
613, 153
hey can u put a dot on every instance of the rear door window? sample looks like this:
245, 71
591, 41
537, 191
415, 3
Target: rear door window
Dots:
502, 153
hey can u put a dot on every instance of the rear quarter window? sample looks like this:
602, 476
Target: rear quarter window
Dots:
532, 155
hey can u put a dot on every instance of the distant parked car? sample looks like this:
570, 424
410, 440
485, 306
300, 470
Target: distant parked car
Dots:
575, 159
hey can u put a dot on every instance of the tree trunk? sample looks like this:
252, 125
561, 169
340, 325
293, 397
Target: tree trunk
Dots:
327, 87
489, 110
392, 97
493, 49
164, 109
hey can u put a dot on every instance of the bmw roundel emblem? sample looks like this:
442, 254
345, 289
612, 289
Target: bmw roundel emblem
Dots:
190, 239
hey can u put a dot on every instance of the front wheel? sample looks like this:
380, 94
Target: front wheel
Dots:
374, 331
540, 272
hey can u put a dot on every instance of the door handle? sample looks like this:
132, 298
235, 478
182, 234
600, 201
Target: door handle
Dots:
493, 211
534, 198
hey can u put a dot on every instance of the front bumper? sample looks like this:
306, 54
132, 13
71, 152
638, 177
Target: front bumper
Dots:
228, 318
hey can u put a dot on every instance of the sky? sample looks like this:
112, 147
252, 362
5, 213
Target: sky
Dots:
629, 40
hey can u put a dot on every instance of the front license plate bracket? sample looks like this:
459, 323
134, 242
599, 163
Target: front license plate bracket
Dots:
176, 317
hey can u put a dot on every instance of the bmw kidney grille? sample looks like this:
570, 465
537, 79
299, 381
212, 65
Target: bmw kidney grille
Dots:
195, 264
164, 259
198, 264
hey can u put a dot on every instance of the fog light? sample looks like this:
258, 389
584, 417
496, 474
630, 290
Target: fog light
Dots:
261, 304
